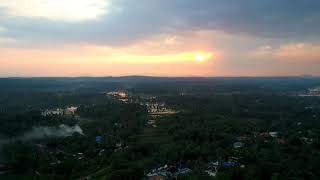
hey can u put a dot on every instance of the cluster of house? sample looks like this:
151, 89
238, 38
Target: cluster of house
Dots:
155, 110
54, 154
120, 95
158, 109
212, 169
55, 163
265, 136
307, 136
312, 92
59, 111
119, 146
79, 156
315, 91
241, 141
307, 140
153, 107
167, 172
147, 97
151, 123
232, 162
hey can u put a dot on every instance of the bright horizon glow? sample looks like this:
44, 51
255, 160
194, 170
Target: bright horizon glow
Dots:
102, 61
57, 10
161, 59
199, 57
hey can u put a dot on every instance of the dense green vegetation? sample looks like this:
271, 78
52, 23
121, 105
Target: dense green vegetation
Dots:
118, 143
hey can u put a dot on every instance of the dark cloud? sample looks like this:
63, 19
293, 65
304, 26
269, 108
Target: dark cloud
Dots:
267, 18
135, 20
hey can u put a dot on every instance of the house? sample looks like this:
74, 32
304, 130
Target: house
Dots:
125, 100
234, 159
161, 173
212, 168
55, 163
211, 173
85, 178
282, 141
101, 152
214, 164
71, 110
118, 94
265, 135
230, 164
118, 145
243, 138
238, 145
248, 139
168, 171
307, 140
98, 139
40, 145
308, 108
273, 134
151, 122
78, 156
57, 111
182, 171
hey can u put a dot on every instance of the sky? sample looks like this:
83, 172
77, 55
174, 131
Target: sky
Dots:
159, 38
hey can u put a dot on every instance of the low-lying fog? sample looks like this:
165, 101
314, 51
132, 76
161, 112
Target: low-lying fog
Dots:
45, 132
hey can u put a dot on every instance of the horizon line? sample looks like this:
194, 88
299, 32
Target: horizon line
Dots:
155, 76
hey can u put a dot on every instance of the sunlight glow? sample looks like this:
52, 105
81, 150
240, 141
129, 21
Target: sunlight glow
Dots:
183, 57
201, 57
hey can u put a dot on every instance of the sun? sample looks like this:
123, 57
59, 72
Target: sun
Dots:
201, 57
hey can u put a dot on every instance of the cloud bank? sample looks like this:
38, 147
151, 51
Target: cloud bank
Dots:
130, 21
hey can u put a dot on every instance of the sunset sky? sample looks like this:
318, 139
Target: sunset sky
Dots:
159, 37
